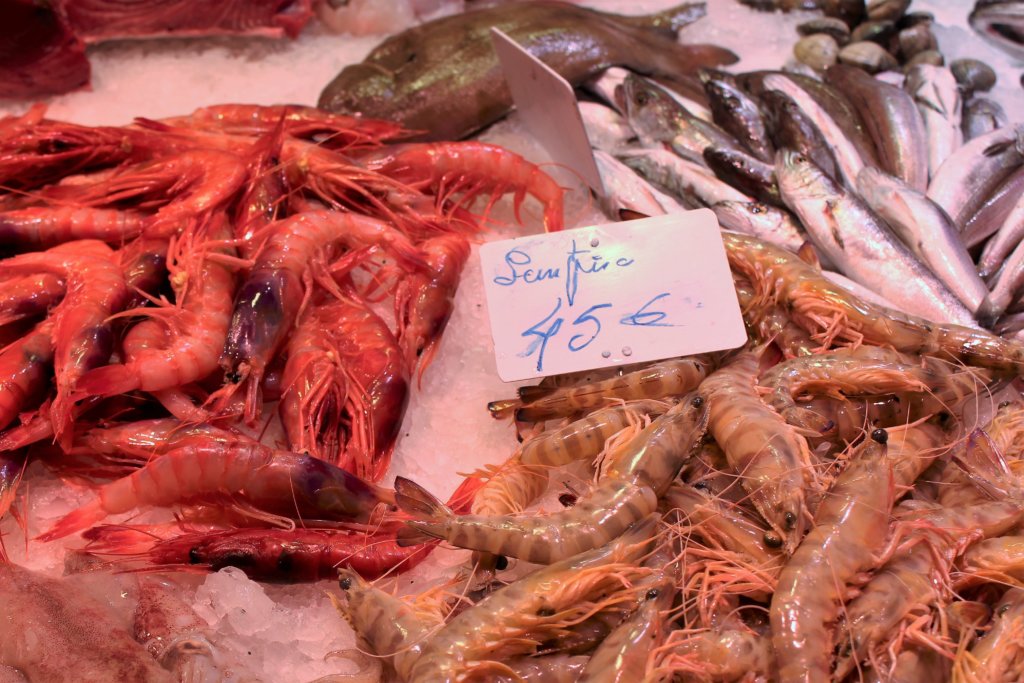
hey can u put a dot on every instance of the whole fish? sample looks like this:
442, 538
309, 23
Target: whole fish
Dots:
763, 221
1009, 282
937, 95
607, 87
658, 119
967, 178
860, 243
848, 157
928, 231
744, 172
790, 128
606, 129
892, 121
981, 116
442, 79
736, 112
1000, 22
627, 194
991, 215
691, 183
1010, 234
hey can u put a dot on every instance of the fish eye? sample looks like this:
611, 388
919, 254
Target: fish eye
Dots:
697, 401
642, 97
772, 541
880, 435
1003, 609
757, 208
345, 583
1004, 404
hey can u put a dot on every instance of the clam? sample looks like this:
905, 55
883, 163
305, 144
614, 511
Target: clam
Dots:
818, 51
973, 75
869, 56
917, 38
880, 32
933, 57
839, 31
913, 18
886, 10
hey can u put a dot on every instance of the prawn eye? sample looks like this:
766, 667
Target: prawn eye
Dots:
790, 520
1004, 404
193, 556
501, 563
284, 562
772, 541
702, 486
880, 435
345, 583
651, 594
1003, 609
545, 612
567, 500
697, 401
233, 376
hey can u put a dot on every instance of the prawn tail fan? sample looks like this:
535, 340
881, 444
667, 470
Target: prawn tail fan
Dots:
74, 521
109, 380
430, 513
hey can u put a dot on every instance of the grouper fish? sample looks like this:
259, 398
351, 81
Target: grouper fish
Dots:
442, 79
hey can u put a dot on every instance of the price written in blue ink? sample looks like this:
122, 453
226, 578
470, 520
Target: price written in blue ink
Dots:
607, 295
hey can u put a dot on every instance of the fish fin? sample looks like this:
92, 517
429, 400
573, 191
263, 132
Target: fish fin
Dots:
534, 393
416, 501
74, 521
667, 22
417, 532
631, 215
808, 255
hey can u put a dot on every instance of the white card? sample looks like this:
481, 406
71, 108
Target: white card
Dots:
611, 294
549, 109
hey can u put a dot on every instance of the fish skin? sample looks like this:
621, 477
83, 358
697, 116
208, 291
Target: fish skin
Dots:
861, 244
763, 221
746, 173
738, 114
1009, 235
1009, 282
892, 121
989, 15
626, 191
928, 231
790, 127
848, 158
937, 95
659, 119
969, 175
691, 183
991, 215
442, 79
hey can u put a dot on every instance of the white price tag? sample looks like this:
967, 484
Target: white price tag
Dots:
610, 295
549, 109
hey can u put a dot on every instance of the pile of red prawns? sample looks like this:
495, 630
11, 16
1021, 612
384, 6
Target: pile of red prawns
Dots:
166, 287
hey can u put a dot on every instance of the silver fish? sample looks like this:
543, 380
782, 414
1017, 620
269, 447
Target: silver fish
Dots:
969, 175
625, 191
935, 91
606, 129
1009, 282
848, 160
1010, 234
982, 115
659, 119
861, 244
1000, 22
928, 231
892, 121
691, 183
991, 215
737, 113
763, 221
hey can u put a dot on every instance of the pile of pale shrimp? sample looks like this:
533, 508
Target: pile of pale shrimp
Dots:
169, 286
820, 505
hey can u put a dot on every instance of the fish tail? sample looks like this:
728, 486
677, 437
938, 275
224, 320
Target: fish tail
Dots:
431, 514
668, 21
79, 519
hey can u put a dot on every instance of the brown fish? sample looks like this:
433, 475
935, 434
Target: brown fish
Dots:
443, 80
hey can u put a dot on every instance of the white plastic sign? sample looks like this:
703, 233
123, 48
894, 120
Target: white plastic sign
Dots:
610, 295
548, 106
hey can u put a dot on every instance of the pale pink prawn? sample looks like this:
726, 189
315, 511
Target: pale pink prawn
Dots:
177, 344
269, 301
425, 298
196, 182
471, 168
42, 227
274, 482
82, 336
